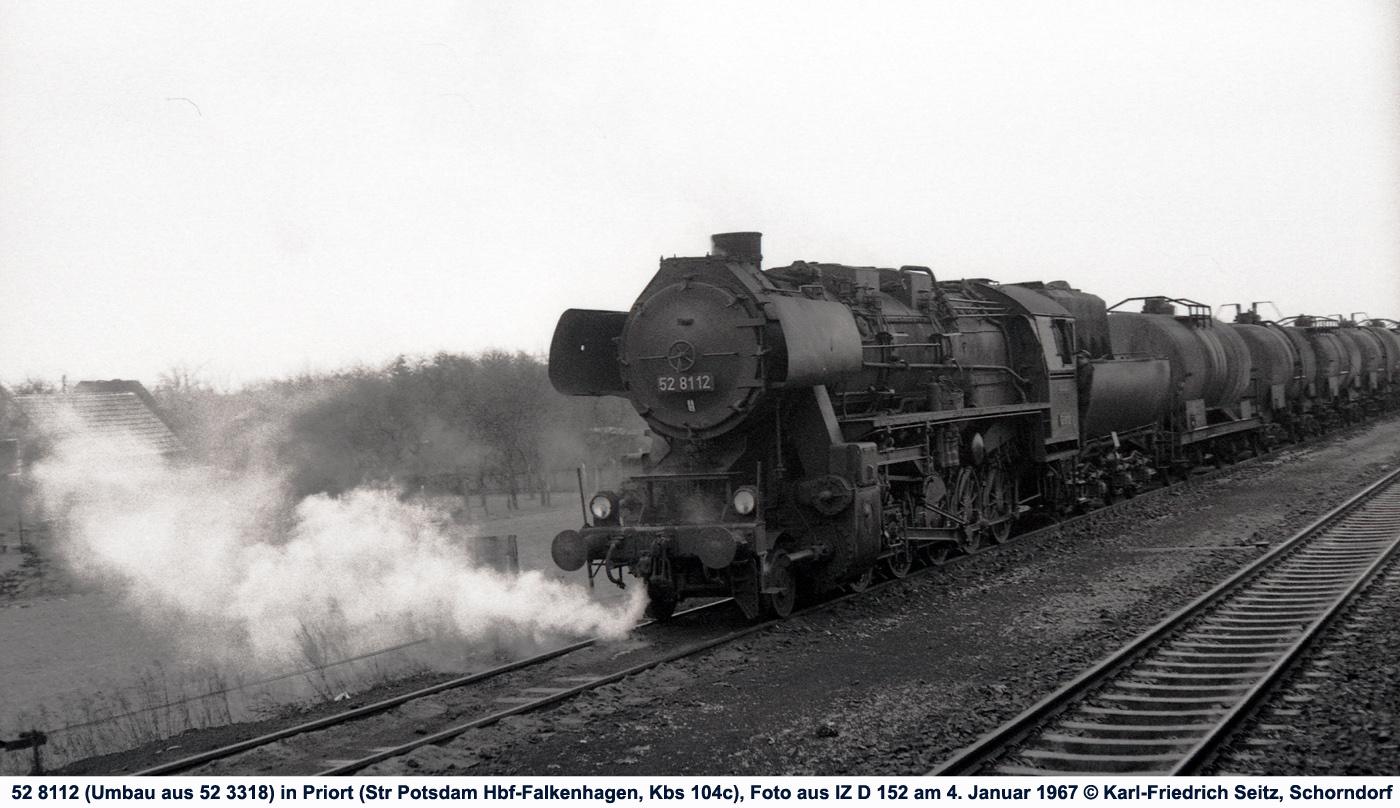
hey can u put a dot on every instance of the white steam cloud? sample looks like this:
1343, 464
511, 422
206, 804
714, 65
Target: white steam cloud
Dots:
257, 575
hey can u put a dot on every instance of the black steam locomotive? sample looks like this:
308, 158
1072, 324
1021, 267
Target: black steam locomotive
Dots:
820, 422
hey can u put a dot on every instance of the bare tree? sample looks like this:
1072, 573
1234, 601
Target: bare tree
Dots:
33, 385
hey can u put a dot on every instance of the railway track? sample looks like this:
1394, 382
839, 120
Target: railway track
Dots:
547, 692
1339, 668
549, 689
230, 751
1165, 702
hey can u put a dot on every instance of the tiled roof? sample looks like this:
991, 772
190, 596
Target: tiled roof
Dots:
122, 417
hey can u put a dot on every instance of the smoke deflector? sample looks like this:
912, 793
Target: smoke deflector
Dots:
583, 354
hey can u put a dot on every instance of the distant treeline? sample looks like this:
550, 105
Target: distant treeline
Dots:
447, 424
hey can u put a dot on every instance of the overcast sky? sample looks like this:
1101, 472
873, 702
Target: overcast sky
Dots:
256, 189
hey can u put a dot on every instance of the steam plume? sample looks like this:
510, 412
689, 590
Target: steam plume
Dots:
259, 573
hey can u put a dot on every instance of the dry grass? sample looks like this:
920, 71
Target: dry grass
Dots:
160, 704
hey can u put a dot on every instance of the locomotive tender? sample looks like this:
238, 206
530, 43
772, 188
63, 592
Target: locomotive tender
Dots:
818, 422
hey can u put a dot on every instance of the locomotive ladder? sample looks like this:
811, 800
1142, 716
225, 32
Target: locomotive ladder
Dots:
1164, 703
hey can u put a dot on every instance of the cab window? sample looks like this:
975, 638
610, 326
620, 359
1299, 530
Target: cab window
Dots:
1063, 331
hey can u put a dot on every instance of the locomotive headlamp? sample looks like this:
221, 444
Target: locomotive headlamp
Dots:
602, 506
745, 501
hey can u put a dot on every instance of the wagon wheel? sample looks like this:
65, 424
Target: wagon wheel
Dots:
934, 553
779, 603
863, 582
998, 502
917, 514
964, 502
900, 561
931, 514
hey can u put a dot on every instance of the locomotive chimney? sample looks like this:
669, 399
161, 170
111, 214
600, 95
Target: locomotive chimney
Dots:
741, 247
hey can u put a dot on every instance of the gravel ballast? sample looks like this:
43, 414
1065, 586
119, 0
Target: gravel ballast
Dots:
896, 681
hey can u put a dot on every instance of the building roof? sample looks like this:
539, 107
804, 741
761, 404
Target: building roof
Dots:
121, 417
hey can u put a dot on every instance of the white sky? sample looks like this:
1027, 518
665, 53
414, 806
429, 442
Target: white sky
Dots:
349, 181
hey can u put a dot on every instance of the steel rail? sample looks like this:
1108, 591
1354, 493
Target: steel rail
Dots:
350, 767
224, 752
1206, 750
996, 745
384, 705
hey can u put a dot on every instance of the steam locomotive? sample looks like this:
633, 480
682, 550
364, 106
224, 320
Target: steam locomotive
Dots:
819, 422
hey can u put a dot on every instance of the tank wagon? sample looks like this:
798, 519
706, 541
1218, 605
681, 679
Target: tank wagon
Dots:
1346, 370
819, 422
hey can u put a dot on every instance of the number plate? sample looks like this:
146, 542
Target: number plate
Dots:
699, 383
